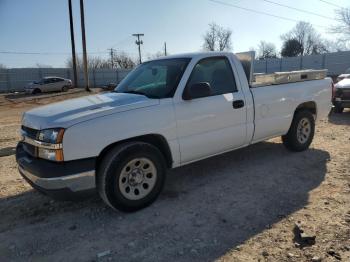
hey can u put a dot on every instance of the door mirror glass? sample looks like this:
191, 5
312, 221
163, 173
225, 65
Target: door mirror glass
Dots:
197, 90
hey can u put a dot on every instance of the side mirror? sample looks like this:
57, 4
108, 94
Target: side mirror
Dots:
197, 90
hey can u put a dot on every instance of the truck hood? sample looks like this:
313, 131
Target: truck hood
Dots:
345, 83
67, 113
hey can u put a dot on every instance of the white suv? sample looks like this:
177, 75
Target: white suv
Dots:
48, 84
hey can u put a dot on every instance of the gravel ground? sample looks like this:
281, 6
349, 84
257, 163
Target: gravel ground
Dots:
240, 206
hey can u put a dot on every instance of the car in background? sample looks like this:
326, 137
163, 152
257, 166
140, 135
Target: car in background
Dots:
341, 96
48, 84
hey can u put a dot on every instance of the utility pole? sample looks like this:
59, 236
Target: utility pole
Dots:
139, 43
86, 76
111, 53
165, 53
74, 60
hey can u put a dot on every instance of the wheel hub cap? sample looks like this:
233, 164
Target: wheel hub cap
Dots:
137, 178
303, 130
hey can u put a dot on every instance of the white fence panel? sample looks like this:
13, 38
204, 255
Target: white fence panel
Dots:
313, 62
337, 63
273, 65
15, 79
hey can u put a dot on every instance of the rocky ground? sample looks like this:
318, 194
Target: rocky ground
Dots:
260, 203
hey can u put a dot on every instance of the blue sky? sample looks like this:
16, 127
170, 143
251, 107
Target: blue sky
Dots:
43, 25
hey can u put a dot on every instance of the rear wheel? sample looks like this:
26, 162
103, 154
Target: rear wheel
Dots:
301, 132
131, 176
36, 91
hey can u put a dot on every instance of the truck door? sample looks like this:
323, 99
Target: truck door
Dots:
215, 123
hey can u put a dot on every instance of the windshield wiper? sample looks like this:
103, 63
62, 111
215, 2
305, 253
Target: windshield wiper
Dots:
137, 93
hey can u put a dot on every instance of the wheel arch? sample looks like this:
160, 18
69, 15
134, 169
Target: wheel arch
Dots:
156, 140
310, 106
37, 90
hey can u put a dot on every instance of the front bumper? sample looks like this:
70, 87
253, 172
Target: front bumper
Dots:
341, 103
67, 180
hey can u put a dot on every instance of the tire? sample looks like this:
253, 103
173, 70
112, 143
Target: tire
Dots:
65, 89
301, 132
127, 185
36, 91
338, 109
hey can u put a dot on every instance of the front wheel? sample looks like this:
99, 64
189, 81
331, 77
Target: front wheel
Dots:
131, 176
65, 89
301, 132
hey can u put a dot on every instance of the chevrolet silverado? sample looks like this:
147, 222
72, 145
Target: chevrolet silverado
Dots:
166, 113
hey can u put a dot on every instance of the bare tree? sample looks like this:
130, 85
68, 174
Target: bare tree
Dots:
155, 55
343, 27
217, 38
95, 62
309, 39
266, 50
336, 45
121, 60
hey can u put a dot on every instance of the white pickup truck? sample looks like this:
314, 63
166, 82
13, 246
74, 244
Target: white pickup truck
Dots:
166, 113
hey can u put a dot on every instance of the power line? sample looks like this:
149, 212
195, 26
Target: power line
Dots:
298, 9
83, 39
122, 41
259, 12
74, 59
139, 43
112, 56
330, 3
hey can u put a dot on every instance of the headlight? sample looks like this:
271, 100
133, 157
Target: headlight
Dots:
51, 149
52, 136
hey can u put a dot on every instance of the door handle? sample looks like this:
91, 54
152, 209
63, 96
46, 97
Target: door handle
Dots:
238, 104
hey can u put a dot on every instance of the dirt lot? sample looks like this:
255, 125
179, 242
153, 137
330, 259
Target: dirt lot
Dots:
241, 206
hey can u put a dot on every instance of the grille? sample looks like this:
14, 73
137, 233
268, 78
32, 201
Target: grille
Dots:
30, 132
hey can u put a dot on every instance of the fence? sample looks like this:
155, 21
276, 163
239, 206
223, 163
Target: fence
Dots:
336, 63
16, 78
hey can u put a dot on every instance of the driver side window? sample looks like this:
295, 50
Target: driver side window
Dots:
217, 72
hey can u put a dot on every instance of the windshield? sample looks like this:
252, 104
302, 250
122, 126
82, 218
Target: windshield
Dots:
154, 79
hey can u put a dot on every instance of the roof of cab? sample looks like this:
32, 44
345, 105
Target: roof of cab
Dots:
48, 77
193, 55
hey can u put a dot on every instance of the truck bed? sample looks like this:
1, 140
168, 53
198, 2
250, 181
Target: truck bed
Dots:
278, 78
